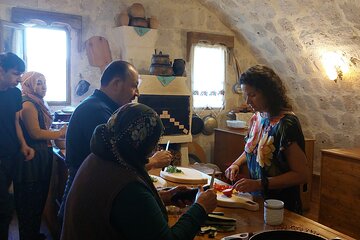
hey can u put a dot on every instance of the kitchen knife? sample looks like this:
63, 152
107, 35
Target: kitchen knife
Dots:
212, 179
166, 149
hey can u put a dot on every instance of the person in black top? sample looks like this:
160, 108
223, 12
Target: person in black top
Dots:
119, 85
12, 143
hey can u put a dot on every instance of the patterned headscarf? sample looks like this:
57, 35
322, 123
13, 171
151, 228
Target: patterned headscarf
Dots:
128, 137
28, 85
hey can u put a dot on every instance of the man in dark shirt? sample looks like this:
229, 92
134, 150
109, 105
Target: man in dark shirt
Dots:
12, 143
119, 85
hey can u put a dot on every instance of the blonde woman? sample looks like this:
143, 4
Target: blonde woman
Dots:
31, 182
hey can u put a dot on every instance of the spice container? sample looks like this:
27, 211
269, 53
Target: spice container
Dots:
273, 211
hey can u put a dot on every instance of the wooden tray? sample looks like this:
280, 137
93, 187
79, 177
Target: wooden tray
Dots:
187, 176
237, 200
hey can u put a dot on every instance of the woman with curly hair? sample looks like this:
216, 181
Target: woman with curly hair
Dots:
274, 147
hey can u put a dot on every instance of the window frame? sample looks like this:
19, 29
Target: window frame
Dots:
54, 20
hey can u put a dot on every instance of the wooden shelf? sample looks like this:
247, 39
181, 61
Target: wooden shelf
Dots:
152, 86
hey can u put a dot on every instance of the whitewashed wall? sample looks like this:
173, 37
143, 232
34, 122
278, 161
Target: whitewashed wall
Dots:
176, 19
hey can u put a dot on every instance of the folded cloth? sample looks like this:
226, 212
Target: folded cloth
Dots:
216, 220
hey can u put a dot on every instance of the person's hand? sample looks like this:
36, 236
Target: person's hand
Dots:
247, 185
160, 159
166, 196
232, 171
207, 199
28, 152
62, 131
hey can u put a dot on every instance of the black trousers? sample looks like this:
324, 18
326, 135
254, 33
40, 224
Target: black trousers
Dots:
6, 199
30, 199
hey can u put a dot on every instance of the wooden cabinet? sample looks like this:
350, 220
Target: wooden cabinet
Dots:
340, 190
229, 144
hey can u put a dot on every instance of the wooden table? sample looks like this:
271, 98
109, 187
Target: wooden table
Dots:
249, 221
253, 221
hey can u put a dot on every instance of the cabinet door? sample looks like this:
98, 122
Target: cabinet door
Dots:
12, 38
227, 148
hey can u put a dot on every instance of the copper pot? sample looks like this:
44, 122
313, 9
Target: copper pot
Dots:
139, 22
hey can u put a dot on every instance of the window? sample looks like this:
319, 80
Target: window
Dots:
47, 41
208, 75
46, 50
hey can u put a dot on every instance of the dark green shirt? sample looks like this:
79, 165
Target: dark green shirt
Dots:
142, 217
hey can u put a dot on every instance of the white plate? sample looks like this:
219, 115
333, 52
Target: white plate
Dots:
160, 181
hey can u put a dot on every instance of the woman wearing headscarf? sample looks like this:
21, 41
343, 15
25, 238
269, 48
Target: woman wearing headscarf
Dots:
113, 197
31, 182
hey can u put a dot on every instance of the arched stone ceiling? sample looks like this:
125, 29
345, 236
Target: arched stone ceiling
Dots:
296, 32
291, 36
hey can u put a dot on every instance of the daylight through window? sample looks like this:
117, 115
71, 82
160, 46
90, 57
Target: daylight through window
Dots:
208, 76
46, 52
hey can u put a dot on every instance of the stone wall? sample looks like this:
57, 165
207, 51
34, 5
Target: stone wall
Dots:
291, 36
176, 19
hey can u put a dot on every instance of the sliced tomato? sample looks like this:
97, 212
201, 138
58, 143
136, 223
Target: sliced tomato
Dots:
228, 192
221, 187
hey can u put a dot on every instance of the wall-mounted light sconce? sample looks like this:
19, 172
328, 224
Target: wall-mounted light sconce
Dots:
335, 65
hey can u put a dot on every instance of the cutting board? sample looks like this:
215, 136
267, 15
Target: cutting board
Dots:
237, 200
98, 52
159, 183
187, 176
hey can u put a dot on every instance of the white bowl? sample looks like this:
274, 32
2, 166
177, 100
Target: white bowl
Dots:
236, 123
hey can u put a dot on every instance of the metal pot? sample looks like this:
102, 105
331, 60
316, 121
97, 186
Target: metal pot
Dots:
197, 124
285, 235
210, 123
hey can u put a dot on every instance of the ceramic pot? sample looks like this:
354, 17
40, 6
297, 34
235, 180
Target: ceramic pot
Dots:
138, 22
161, 70
179, 67
137, 10
122, 19
153, 22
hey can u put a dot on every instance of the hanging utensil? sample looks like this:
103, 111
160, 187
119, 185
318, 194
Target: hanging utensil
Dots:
210, 123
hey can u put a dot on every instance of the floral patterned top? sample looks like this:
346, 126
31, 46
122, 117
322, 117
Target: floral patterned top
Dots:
265, 145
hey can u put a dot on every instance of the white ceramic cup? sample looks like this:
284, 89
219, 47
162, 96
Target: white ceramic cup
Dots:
273, 212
